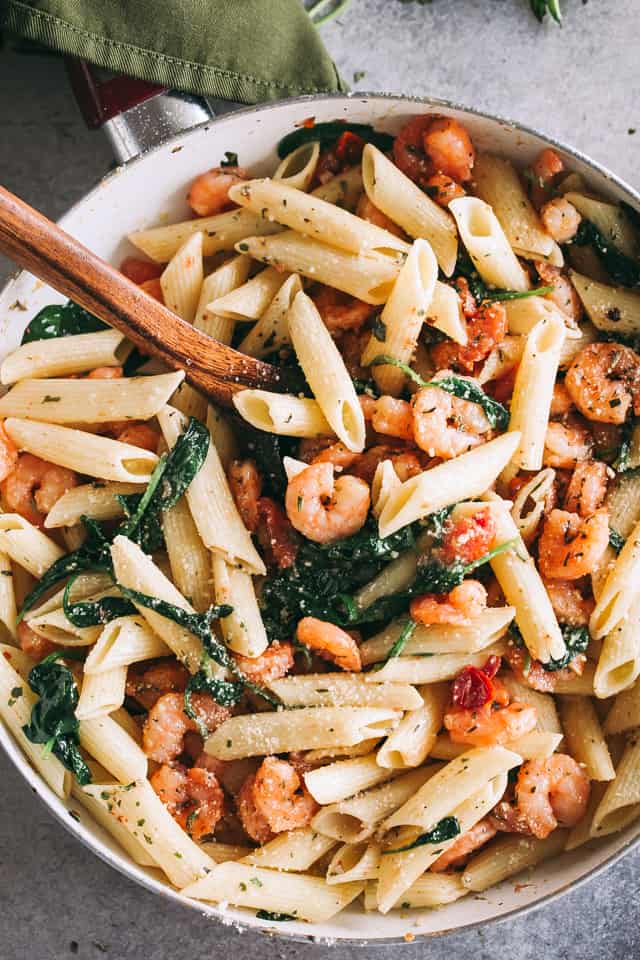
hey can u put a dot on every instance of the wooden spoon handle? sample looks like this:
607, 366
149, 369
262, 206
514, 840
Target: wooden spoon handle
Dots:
52, 255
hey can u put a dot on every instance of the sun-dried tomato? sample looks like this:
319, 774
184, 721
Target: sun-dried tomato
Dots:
471, 689
349, 148
468, 538
492, 666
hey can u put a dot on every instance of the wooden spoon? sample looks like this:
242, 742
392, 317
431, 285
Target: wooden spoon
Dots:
43, 248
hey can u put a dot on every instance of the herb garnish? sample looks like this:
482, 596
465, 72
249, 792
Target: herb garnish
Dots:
328, 133
576, 641
61, 320
53, 720
462, 387
445, 829
616, 540
96, 612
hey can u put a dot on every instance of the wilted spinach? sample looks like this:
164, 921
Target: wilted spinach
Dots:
576, 641
328, 133
445, 829
621, 268
61, 320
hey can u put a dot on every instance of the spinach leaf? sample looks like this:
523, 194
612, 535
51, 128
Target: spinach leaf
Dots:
53, 720
276, 917
616, 540
328, 133
230, 159
92, 614
134, 361
445, 829
576, 640
224, 692
268, 450
323, 577
479, 289
621, 268
61, 320
199, 624
462, 387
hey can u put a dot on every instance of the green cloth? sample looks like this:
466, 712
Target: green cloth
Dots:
245, 50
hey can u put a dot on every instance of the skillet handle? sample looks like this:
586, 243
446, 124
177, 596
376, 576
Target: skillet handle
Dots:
137, 115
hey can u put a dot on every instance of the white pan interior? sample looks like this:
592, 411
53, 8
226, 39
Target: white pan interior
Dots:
152, 190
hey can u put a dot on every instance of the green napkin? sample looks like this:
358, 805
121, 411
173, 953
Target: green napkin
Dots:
245, 50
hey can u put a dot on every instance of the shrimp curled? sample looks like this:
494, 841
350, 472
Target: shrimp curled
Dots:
604, 381
274, 799
167, 723
34, 485
570, 546
445, 426
496, 722
330, 642
324, 509
549, 793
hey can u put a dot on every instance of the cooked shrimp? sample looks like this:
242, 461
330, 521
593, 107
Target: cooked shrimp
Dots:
449, 148
551, 793
368, 211
33, 644
587, 487
496, 722
246, 486
106, 373
406, 463
146, 684
281, 797
139, 435
531, 673
330, 643
209, 193
547, 165
560, 219
459, 852
324, 509
564, 294
566, 444
568, 602
254, 824
571, 546
275, 534
274, 663
392, 417
8, 453
460, 606
468, 538
561, 402
139, 271
604, 381
484, 330
443, 189
34, 485
338, 455
340, 311
164, 729
446, 426
193, 797
408, 150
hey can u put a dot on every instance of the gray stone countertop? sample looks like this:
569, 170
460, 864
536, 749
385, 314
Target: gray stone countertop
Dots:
581, 84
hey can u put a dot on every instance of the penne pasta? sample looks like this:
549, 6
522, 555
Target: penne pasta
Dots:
609, 308
282, 414
64, 356
487, 245
182, 278
219, 232
97, 500
344, 778
432, 668
243, 630
343, 690
271, 332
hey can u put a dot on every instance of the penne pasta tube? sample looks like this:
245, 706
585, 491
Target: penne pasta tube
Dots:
356, 818
189, 559
529, 504
407, 205
621, 799
345, 189
624, 715
222, 434
432, 890
609, 218
243, 630
298, 167
357, 861
440, 638
226, 278
398, 871
16, 703
271, 331
532, 394
62, 356
432, 669
53, 625
523, 588
445, 314
609, 308
221, 852
523, 315
135, 570
326, 373
620, 589
343, 690
548, 720
537, 745
412, 741
509, 856
140, 810
370, 277
402, 317
97, 500
619, 662
314, 217
385, 481
8, 611
113, 748
249, 300
297, 894
487, 244
291, 850
282, 413
124, 641
101, 693
83, 452
212, 506
219, 232
27, 546
344, 778
309, 728
584, 737
182, 278
463, 478
92, 401
98, 811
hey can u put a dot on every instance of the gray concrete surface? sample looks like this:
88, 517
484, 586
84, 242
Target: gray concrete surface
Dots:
580, 83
